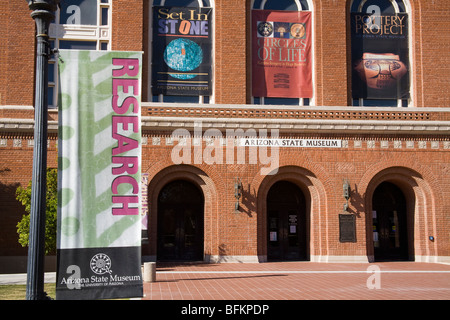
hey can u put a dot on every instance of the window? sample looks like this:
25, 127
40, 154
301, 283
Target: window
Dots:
281, 79
186, 74
78, 25
380, 53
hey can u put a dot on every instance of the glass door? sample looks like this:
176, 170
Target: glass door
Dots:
389, 223
286, 222
180, 222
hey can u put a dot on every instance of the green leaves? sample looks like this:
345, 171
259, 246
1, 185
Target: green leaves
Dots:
24, 196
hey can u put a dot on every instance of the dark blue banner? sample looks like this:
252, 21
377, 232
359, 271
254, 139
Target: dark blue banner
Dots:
181, 63
380, 56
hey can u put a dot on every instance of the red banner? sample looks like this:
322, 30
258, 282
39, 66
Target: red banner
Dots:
282, 60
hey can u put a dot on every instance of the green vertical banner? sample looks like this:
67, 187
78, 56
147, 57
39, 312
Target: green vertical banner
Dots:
99, 175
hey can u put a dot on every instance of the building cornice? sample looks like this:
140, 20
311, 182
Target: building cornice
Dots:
286, 119
294, 112
23, 125
300, 125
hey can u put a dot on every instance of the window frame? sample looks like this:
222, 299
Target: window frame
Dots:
99, 33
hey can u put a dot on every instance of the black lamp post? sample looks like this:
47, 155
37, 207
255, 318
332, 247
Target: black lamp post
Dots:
43, 13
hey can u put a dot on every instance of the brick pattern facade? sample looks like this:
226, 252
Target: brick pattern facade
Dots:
409, 147
232, 59
364, 160
16, 54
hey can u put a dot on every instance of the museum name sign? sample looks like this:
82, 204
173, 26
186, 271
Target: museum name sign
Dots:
290, 143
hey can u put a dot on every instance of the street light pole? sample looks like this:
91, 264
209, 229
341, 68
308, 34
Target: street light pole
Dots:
43, 13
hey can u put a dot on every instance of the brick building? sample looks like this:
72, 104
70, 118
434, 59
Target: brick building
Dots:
210, 199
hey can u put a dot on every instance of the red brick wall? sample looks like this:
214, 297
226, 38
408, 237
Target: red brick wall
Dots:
421, 175
16, 54
331, 53
16, 170
232, 45
231, 51
430, 43
127, 25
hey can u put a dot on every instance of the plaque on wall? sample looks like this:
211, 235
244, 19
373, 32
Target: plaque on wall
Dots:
347, 228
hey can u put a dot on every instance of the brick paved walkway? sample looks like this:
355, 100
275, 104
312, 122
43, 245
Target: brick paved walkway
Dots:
300, 281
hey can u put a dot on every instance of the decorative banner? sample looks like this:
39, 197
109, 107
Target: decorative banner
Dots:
380, 56
144, 200
182, 51
99, 175
282, 60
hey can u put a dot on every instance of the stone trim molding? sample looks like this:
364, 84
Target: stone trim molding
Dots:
301, 125
152, 109
340, 259
283, 125
231, 259
286, 119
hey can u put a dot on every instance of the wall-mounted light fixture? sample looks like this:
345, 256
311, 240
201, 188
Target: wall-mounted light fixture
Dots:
346, 193
237, 192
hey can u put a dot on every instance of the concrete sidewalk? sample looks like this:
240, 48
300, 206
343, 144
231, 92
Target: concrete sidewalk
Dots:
21, 278
301, 281
291, 281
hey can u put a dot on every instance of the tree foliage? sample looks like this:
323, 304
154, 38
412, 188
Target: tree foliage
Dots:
23, 227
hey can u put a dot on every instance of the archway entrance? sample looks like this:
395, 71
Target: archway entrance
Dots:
180, 222
390, 235
286, 222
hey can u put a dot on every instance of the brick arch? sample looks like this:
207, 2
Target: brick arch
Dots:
316, 202
181, 172
421, 198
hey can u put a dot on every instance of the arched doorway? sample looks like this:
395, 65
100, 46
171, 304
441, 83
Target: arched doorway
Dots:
286, 222
389, 214
180, 222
